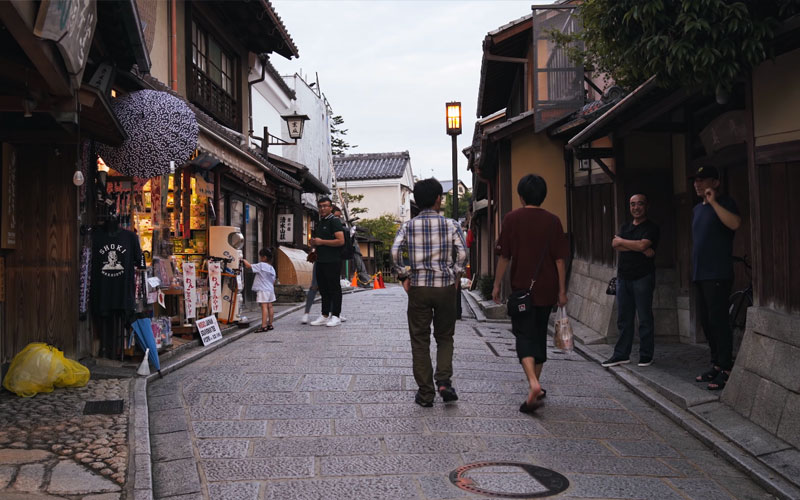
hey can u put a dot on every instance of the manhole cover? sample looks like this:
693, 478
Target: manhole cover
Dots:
509, 480
108, 407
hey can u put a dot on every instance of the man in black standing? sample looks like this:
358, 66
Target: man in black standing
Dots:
328, 240
714, 224
636, 279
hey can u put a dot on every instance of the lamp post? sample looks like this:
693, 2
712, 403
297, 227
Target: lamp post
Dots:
454, 130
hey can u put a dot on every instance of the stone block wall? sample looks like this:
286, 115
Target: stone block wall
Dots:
765, 382
589, 304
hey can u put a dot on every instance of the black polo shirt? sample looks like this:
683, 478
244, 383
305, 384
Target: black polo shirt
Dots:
327, 229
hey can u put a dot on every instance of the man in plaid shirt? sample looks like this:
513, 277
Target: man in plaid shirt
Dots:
437, 255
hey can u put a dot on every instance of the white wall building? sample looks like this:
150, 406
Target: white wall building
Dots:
385, 180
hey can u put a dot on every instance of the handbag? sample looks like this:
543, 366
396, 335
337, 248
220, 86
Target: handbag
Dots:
612, 286
520, 302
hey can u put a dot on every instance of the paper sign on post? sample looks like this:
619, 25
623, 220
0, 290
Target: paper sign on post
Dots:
189, 289
215, 286
209, 330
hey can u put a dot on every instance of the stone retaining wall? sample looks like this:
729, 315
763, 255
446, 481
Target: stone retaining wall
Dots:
764, 385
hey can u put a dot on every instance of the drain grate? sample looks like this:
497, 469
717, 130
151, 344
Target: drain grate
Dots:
546, 482
108, 407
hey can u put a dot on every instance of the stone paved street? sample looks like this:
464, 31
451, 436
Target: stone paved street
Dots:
327, 413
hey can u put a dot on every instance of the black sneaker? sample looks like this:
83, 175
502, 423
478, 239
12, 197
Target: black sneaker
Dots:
614, 361
645, 361
425, 404
447, 392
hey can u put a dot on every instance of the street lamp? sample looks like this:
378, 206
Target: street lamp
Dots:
295, 124
454, 130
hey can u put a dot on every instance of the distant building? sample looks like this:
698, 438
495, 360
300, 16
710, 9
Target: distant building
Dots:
447, 187
385, 180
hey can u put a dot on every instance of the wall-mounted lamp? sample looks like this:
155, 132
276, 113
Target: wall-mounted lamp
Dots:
28, 105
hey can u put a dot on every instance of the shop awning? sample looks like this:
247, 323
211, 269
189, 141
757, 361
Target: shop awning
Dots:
161, 128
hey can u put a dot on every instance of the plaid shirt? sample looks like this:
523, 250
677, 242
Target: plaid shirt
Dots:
436, 250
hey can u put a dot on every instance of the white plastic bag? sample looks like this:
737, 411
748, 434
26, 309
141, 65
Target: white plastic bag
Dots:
563, 336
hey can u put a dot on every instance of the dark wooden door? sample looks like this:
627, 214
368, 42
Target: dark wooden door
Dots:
41, 273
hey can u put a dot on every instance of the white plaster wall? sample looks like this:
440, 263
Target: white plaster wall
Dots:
379, 199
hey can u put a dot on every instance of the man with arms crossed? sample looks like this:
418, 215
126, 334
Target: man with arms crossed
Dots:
636, 280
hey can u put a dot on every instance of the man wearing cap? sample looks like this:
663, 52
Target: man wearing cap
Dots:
714, 222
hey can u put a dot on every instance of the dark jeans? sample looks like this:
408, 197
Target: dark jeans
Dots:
712, 307
635, 298
426, 304
329, 287
530, 330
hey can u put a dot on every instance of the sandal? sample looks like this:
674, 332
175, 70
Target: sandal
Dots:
709, 375
260, 330
542, 394
269, 327
719, 383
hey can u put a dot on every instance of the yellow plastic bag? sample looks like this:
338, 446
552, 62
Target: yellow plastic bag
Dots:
40, 367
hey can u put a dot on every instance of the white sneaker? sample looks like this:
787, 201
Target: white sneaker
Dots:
319, 321
304, 319
342, 318
334, 321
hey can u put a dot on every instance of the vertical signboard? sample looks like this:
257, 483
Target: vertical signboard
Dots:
215, 286
285, 228
189, 289
8, 220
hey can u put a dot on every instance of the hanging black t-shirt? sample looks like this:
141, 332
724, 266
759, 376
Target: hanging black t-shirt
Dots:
114, 258
636, 265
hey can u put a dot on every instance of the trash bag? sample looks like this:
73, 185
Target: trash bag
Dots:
40, 367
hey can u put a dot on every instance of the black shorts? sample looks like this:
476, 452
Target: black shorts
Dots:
530, 331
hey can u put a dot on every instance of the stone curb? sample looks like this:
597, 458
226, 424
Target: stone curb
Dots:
478, 310
140, 464
707, 434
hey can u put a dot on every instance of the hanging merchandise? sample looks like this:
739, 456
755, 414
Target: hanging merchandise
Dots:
115, 253
86, 277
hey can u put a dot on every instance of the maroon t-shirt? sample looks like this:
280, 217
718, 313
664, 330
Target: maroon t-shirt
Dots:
523, 237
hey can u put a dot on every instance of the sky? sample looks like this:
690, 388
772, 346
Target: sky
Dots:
389, 66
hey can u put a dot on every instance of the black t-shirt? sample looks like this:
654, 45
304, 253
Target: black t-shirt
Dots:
327, 229
114, 258
635, 265
712, 242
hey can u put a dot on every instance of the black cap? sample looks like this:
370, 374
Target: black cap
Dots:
707, 172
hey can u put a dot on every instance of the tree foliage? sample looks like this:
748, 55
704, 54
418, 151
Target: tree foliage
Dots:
338, 144
697, 44
463, 204
348, 201
383, 228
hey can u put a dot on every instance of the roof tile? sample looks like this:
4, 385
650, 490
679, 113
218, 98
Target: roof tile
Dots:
370, 166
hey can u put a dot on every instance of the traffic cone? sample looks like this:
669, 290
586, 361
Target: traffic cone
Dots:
375, 285
354, 281
380, 280
144, 367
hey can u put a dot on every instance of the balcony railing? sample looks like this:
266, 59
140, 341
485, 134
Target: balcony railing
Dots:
212, 99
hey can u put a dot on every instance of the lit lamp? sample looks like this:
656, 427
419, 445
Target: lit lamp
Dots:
454, 130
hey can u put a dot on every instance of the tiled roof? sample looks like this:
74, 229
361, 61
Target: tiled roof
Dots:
367, 166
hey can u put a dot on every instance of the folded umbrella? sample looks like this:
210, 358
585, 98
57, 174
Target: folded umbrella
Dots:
144, 332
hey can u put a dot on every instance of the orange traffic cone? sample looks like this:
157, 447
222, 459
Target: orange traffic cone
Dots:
354, 283
380, 280
375, 284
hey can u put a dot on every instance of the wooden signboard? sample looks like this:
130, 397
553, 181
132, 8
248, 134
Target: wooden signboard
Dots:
71, 26
8, 203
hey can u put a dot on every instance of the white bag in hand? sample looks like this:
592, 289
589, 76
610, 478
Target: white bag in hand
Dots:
563, 336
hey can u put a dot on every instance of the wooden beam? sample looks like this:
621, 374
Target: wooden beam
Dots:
593, 153
42, 54
38, 136
605, 168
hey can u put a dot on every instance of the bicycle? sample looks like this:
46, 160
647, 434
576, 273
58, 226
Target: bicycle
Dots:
739, 301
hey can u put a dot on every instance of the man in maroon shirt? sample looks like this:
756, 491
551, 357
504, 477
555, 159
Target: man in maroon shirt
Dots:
533, 240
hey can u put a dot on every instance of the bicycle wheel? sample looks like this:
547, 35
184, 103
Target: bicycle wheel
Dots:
737, 311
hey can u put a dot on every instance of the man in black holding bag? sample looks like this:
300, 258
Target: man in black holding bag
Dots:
636, 281
533, 240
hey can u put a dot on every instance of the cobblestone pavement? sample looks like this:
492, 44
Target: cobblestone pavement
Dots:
49, 449
327, 413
